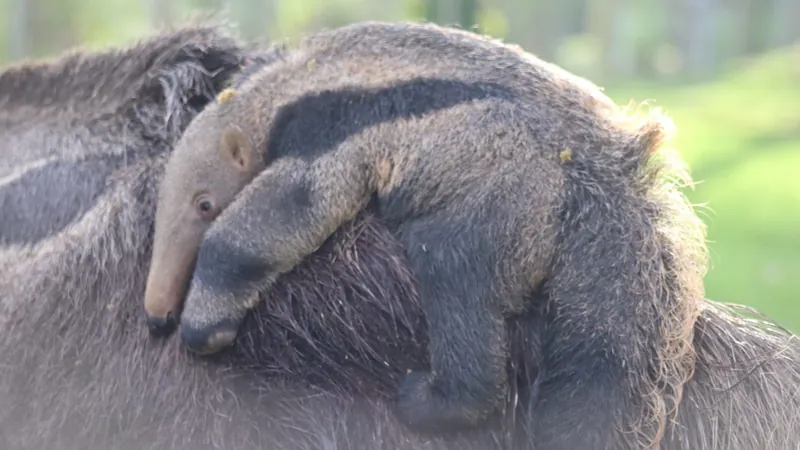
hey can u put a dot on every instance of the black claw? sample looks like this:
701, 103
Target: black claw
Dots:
209, 339
162, 326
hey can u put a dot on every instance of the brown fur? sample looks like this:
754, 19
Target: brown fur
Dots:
78, 370
479, 191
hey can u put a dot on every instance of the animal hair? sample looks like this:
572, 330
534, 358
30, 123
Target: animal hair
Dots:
67, 127
80, 371
466, 161
315, 364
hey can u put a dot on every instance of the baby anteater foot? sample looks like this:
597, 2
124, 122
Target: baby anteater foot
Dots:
426, 405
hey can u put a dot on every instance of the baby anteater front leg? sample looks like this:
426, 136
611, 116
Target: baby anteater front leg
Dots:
284, 215
468, 379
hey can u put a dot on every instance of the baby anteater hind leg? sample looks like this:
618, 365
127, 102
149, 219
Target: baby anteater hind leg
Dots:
459, 289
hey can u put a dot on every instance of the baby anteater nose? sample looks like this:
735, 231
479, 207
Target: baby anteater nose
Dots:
209, 339
162, 326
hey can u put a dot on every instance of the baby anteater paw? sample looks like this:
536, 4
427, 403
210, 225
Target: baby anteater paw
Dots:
426, 406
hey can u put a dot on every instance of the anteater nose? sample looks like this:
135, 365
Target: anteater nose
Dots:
210, 339
162, 326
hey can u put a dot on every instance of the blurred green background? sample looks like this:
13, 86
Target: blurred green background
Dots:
727, 71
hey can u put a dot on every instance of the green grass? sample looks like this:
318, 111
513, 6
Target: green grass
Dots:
741, 137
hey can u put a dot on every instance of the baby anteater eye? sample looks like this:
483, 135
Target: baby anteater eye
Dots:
205, 206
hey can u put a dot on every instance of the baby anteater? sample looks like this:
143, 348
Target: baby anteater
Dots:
459, 140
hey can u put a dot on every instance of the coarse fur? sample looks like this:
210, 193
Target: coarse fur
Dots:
313, 367
78, 367
459, 139
64, 135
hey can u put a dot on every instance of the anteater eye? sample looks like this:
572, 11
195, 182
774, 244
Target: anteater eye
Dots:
205, 206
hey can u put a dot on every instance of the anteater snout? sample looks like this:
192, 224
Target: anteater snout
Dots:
208, 339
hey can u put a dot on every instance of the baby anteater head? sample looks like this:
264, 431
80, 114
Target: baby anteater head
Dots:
214, 160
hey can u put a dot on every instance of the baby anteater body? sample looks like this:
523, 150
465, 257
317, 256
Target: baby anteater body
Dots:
459, 140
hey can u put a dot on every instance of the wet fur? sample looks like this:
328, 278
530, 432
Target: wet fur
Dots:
79, 370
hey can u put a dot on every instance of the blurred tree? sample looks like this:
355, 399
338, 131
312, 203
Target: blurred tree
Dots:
445, 12
469, 13
784, 23
698, 33
607, 39
601, 18
463, 13
209, 5
757, 14
431, 10
522, 20
51, 26
620, 49
545, 30
254, 17
17, 26
162, 12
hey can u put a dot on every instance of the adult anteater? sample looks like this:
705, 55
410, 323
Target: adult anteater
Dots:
317, 364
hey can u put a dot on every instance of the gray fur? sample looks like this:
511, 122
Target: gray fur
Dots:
494, 169
315, 367
460, 138
65, 133
79, 369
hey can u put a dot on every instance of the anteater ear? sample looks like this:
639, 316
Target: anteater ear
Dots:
237, 148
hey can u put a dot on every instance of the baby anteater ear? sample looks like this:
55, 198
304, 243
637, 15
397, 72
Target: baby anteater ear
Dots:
237, 148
